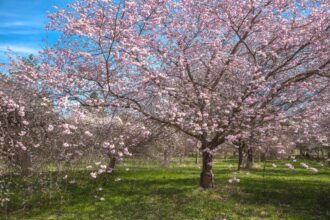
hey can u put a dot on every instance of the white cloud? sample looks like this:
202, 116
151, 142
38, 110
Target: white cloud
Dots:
19, 49
12, 24
18, 32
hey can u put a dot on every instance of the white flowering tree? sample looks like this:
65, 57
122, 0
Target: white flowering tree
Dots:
25, 117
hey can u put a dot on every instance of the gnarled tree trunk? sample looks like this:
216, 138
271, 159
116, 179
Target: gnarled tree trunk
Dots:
206, 179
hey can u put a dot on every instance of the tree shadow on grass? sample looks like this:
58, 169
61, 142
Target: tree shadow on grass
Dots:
304, 198
290, 173
171, 194
84, 196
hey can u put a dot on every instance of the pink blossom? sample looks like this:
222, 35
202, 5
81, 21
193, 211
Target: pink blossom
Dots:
304, 165
50, 128
88, 133
22, 133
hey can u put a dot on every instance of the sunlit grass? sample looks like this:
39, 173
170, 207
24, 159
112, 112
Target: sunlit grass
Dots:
147, 191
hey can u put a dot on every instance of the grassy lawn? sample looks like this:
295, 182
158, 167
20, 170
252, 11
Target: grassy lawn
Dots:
151, 192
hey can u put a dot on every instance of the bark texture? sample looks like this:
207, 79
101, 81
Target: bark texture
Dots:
206, 179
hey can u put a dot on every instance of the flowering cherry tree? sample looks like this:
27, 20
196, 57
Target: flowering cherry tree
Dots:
12, 132
317, 135
301, 123
24, 118
215, 70
113, 136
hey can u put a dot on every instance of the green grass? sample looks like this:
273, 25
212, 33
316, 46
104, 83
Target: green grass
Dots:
151, 192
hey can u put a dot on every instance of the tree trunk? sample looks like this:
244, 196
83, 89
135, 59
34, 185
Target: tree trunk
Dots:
329, 159
166, 161
240, 156
259, 157
263, 157
23, 160
206, 177
322, 154
249, 161
112, 165
197, 155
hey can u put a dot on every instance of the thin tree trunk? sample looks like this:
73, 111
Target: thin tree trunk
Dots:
166, 162
329, 158
249, 161
206, 177
23, 160
240, 156
259, 156
263, 157
167, 157
112, 165
197, 155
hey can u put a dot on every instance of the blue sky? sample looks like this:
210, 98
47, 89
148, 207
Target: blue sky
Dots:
22, 25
